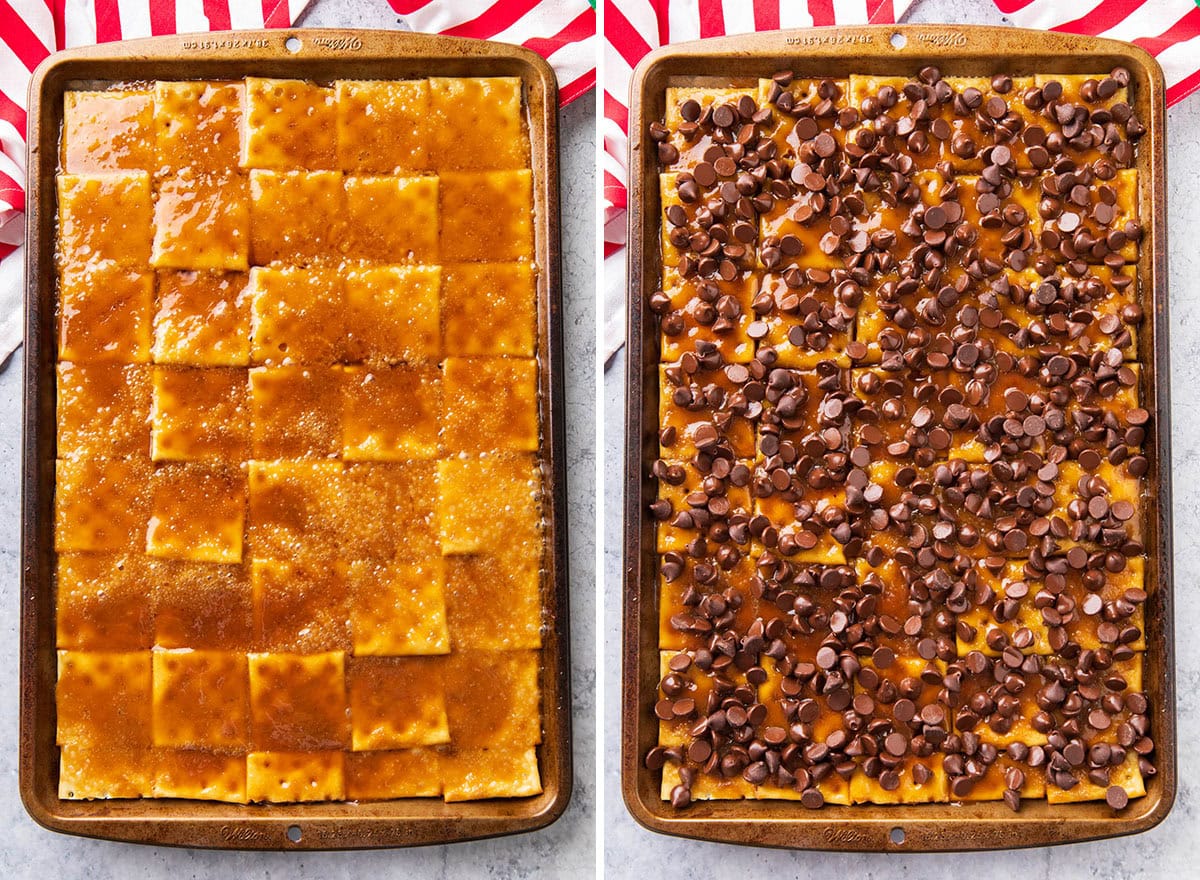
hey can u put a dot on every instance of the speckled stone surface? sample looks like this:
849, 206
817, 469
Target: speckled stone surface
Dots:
565, 849
1166, 851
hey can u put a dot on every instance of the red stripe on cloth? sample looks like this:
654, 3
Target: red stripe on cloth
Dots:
11, 113
499, 16
579, 86
821, 12
610, 248
766, 15
407, 7
162, 17
712, 18
582, 27
58, 11
616, 111
1184, 29
20, 38
108, 21
217, 13
1183, 88
881, 12
1107, 15
623, 36
614, 188
275, 13
1007, 6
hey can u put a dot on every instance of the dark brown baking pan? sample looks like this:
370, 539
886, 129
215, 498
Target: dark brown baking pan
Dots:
892, 50
322, 55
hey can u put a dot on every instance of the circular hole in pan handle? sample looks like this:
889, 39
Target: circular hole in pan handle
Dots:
896, 836
294, 833
292, 44
898, 41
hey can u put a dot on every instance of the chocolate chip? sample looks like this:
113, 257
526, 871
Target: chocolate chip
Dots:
705, 174
824, 145
725, 167
723, 116
806, 128
896, 744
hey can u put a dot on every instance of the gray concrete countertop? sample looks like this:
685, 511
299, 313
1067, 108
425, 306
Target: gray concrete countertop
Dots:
1168, 850
565, 849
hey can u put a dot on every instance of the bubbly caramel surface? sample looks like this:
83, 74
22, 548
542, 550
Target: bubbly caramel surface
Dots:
298, 506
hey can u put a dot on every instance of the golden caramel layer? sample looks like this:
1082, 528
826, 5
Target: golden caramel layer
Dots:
298, 508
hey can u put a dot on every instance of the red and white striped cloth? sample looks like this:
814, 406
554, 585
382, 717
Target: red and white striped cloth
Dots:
1167, 29
562, 31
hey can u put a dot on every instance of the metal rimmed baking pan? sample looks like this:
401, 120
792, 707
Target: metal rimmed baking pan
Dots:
321, 55
892, 50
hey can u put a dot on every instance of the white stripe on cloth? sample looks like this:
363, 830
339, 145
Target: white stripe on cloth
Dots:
1179, 61
245, 15
739, 16
544, 20
190, 17
850, 11
11, 163
13, 70
1047, 14
135, 18
617, 74
80, 21
683, 17
12, 227
441, 16
12, 146
1152, 17
794, 15
573, 60
643, 19
613, 160
614, 301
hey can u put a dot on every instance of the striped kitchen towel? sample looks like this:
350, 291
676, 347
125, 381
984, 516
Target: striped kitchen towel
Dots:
1167, 29
563, 31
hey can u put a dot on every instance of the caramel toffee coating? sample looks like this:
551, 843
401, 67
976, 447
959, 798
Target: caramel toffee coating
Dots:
902, 445
298, 503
